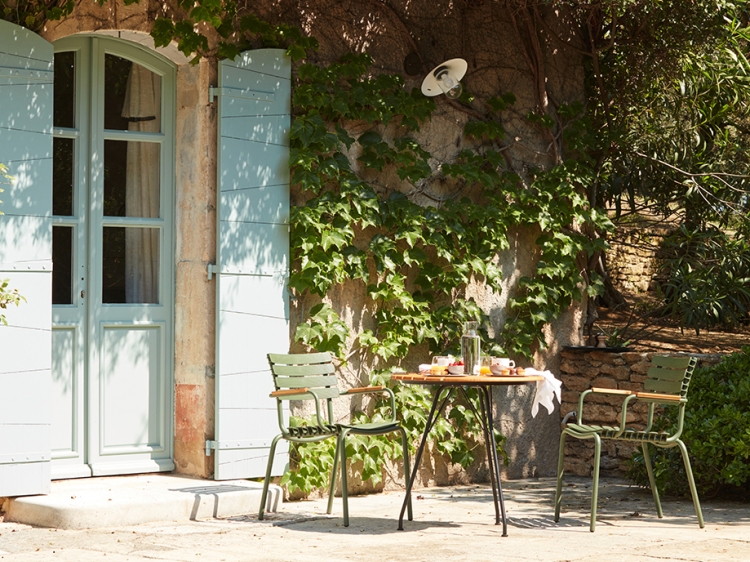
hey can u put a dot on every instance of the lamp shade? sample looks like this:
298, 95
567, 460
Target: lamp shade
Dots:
445, 79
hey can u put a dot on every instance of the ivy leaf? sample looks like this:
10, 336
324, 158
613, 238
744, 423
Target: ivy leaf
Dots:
333, 238
369, 138
501, 103
163, 32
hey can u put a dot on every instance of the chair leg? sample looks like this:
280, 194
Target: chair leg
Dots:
334, 476
691, 481
595, 488
407, 469
560, 463
344, 485
264, 495
651, 480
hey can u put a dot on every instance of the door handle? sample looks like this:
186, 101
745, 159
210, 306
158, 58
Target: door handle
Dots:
83, 294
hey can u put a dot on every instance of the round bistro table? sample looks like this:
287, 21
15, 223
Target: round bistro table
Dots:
459, 383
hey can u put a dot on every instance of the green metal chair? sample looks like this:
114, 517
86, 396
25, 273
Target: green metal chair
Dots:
312, 376
666, 384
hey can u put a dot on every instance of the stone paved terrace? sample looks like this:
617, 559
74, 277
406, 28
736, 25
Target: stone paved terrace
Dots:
455, 523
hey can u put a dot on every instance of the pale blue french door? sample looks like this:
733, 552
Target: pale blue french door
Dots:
112, 250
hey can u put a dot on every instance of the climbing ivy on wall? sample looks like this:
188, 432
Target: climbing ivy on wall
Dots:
416, 261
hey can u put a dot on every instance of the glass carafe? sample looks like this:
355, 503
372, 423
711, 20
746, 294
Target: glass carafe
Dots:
470, 348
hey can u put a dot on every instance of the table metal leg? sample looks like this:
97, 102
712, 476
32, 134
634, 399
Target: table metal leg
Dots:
490, 426
418, 458
486, 432
491, 461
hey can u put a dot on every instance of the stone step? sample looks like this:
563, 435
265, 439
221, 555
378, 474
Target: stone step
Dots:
116, 501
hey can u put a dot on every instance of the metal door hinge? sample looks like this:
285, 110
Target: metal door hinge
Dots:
212, 269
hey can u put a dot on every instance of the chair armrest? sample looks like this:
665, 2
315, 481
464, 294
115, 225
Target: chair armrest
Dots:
300, 391
619, 391
659, 397
363, 389
374, 389
289, 391
627, 394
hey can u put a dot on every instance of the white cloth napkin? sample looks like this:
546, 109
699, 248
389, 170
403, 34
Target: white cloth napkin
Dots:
546, 390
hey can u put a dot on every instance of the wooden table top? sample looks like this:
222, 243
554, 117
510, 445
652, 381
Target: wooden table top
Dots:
420, 378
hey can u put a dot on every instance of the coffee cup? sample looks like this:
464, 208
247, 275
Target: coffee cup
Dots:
503, 362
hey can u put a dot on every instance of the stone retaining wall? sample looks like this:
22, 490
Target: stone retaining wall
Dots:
632, 260
580, 371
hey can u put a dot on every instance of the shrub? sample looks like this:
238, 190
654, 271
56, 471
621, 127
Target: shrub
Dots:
716, 433
707, 282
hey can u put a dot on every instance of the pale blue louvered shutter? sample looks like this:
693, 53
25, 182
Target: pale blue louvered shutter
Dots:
26, 79
254, 105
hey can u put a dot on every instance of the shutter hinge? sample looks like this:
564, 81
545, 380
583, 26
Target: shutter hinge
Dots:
212, 269
235, 445
241, 93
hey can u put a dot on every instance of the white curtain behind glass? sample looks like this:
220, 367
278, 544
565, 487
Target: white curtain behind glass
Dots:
142, 108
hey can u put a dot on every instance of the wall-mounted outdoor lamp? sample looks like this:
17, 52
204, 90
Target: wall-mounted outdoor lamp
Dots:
445, 79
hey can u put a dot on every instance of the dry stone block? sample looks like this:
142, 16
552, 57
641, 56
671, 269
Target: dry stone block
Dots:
590, 372
598, 412
603, 356
626, 385
577, 383
604, 382
641, 368
633, 357
567, 366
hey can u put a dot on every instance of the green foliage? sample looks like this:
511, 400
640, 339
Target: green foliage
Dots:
324, 330
33, 14
416, 261
716, 433
707, 276
668, 85
239, 31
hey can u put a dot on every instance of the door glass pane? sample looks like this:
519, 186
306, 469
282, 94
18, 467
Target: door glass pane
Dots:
62, 265
64, 96
130, 272
62, 177
131, 179
132, 96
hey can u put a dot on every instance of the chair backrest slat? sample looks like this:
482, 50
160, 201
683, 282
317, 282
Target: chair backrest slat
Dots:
302, 382
664, 387
666, 374
303, 370
669, 375
299, 358
672, 362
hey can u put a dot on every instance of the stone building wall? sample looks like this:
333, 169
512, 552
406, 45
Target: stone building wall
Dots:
580, 371
434, 32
